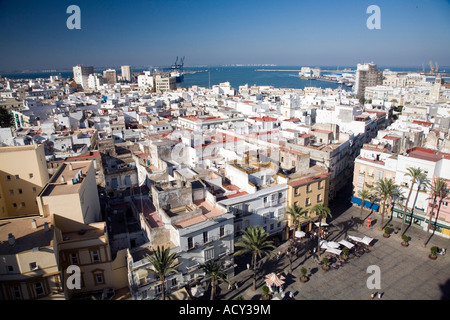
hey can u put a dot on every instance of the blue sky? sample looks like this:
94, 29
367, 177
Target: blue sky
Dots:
34, 35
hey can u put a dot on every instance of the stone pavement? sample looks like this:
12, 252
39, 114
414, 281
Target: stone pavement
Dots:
406, 272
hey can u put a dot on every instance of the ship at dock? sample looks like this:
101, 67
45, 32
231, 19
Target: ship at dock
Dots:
176, 70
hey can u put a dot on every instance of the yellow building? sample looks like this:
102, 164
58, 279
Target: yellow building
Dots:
87, 246
306, 189
72, 193
70, 198
28, 266
23, 174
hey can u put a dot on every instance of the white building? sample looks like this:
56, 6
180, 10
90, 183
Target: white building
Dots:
81, 75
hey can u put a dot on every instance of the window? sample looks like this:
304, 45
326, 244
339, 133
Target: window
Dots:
10, 269
174, 282
308, 202
38, 289
98, 277
22, 204
34, 189
271, 226
205, 236
319, 198
74, 258
222, 231
11, 192
209, 254
30, 175
308, 188
16, 292
17, 177
15, 205
320, 184
8, 178
95, 256
33, 266
190, 243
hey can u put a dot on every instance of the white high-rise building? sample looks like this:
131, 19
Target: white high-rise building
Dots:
81, 74
126, 73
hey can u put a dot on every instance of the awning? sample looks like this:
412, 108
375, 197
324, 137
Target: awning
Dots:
356, 200
322, 224
333, 250
273, 279
357, 239
347, 244
366, 240
299, 234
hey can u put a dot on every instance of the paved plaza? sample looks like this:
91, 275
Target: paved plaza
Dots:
406, 272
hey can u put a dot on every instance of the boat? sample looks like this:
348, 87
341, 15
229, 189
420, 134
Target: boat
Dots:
176, 70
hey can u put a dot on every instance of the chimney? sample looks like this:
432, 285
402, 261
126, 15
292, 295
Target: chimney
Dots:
46, 227
11, 239
33, 223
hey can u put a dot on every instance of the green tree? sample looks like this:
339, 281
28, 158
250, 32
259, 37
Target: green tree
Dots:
417, 175
297, 213
215, 272
322, 212
364, 195
254, 240
163, 263
6, 118
440, 190
386, 190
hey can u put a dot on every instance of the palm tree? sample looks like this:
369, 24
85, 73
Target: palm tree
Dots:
255, 241
386, 190
322, 212
214, 270
438, 189
163, 263
417, 175
297, 213
364, 194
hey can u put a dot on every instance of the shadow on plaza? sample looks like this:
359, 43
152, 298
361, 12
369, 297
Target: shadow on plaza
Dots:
445, 289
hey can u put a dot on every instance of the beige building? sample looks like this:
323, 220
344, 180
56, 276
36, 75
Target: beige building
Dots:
87, 246
81, 239
165, 83
28, 266
72, 193
23, 174
306, 189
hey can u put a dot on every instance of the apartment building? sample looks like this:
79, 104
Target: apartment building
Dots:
74, 183
23, 174
305, 189
28, 265
367, 75
81, 75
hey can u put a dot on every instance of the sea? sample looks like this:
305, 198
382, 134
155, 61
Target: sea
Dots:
207, 76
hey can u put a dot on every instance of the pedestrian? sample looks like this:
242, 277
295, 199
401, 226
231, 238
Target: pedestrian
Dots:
248, 266
291, 295
229, 286
379, 295
372, 295
236, 285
